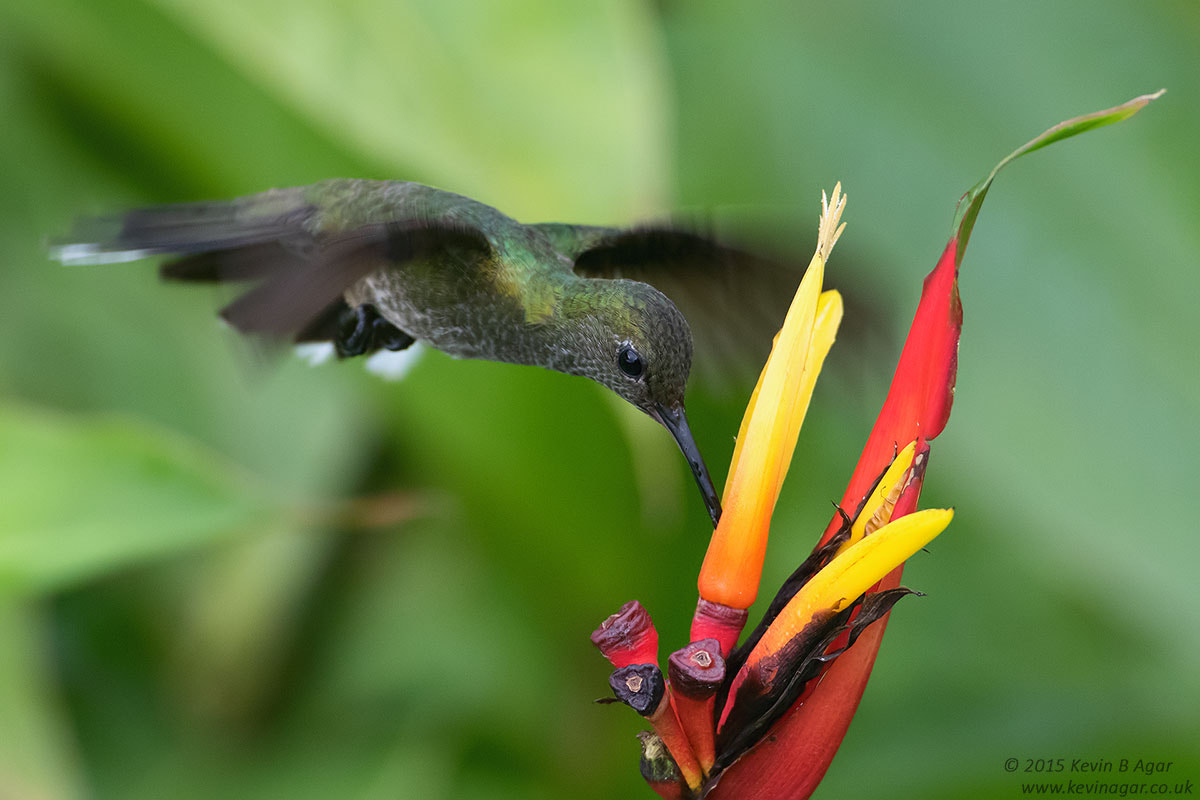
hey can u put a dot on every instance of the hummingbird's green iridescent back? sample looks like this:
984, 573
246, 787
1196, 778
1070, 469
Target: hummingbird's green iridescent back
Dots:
493, 298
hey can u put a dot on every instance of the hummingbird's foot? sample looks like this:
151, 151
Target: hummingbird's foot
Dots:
361, 330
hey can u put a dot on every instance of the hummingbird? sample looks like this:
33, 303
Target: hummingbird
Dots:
378, 265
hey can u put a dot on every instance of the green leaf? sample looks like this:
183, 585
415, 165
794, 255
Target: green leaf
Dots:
83, 497
464, 95
972, 201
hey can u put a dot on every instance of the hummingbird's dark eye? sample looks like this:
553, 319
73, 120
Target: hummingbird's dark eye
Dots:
630, 362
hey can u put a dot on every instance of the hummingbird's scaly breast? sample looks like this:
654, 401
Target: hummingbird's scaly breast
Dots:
453, 306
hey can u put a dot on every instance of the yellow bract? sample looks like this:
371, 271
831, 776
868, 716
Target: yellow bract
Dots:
856, 569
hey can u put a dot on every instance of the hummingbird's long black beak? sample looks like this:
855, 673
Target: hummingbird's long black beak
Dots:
675, 420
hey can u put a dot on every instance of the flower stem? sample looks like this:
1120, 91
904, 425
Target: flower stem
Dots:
696, 673
642, 688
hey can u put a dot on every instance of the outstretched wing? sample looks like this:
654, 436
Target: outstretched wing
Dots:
734, 300
275, 241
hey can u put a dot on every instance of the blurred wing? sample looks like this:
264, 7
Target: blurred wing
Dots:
301, 301
734, 300
268, 239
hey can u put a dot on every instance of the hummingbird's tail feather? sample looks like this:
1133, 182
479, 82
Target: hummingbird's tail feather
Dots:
189, 228
277, 216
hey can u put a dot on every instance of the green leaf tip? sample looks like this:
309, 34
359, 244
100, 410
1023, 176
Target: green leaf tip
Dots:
972, 201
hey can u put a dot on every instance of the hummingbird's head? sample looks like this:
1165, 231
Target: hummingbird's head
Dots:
636, 342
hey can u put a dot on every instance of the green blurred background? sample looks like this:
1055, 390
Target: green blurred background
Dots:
219, 579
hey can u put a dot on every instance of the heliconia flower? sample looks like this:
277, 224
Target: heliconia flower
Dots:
764, 719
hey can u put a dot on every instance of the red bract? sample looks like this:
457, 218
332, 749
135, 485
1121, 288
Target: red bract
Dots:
922, 391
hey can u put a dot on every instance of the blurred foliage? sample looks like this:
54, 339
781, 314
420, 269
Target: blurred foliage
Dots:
194, 599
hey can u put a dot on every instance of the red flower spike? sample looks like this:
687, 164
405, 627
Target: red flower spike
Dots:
778, 743
790, 761
628, 637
